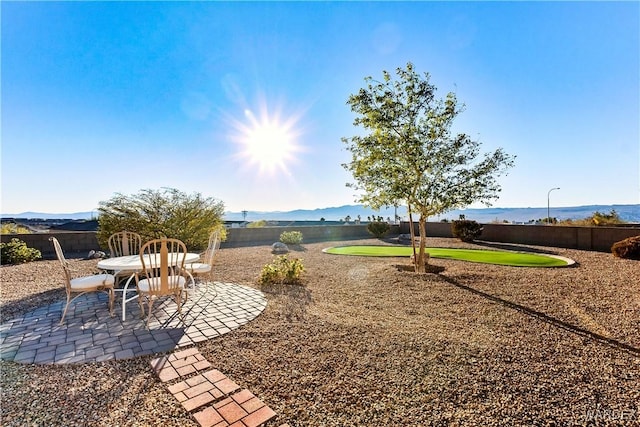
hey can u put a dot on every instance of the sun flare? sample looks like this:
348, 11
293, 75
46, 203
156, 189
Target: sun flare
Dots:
267, 142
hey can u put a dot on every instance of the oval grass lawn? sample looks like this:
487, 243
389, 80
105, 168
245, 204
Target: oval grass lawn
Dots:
516, 259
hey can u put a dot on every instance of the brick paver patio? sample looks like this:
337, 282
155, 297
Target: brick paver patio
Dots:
90, 334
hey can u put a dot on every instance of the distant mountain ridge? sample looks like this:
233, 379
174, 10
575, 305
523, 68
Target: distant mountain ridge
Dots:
41, 215
628, 213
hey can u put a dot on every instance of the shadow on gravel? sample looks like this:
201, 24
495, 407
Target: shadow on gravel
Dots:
548, 319
503, 246
296, 298
513, 247
12, 309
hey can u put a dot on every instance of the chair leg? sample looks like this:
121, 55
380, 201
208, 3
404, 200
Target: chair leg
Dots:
150, 307
141, 305
125, 300
179, 302
112, 298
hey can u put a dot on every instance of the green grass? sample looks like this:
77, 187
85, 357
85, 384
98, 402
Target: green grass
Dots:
517, 259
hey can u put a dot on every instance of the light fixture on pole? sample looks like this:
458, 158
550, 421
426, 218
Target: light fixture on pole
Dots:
548, 195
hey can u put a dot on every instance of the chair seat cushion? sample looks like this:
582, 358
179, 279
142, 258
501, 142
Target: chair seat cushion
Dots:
91, 282
198, 268
174, 282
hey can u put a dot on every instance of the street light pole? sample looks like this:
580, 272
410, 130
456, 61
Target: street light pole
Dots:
548, 195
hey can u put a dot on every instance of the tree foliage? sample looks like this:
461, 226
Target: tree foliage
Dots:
409, 153
161, 213
598, 218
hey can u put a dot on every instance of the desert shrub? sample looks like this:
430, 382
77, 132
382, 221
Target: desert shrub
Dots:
601, 218
291, 237
378, 228
466, 230
13, 228
17, 252
257, 224
627, 248
597, 219
162, 213
282, 271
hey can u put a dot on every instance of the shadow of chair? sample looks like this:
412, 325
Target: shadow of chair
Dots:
163, 268
81, 285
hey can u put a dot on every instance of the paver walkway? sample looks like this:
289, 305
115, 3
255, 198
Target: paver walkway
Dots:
210, 396
90, 334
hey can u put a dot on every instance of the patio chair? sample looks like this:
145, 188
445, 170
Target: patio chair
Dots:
82, 284
204, 268
163, 263
122, 244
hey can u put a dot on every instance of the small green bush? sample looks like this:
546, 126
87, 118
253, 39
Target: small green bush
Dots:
466, 230
627, 248
291, 237
17, 252
282, 271
378, 228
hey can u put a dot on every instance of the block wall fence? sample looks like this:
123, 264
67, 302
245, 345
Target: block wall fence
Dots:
79, 243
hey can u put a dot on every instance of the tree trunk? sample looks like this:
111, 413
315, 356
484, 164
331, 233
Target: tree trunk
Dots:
413, 239
423, 256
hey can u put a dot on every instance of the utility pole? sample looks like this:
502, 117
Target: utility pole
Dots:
548, 195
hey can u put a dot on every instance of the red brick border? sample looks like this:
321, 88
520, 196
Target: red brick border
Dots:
212, 398
179, 364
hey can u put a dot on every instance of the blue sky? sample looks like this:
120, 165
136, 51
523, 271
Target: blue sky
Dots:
104, 98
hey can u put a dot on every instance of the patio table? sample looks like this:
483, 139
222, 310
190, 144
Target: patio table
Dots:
134, 263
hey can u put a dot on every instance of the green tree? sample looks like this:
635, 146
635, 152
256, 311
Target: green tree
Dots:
161, 213
409, 153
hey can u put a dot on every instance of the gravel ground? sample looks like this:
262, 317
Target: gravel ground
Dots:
366, 343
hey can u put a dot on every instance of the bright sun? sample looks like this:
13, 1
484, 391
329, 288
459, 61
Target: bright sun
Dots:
267, 142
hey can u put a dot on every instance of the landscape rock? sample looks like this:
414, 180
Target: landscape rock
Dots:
279, 248
96, 255
406, 238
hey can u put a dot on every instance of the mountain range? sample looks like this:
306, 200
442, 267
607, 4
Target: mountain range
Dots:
628, 213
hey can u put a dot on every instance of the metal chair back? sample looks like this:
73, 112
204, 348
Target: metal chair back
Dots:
163, 264
125, 243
